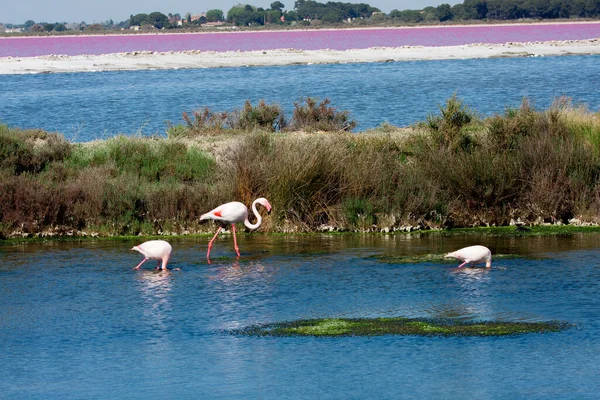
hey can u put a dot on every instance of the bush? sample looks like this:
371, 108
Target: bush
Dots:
447, 128
204, 121
310, 116
507, 131
31, 151
268, 117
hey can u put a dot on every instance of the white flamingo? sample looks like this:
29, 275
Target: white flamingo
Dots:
159, 250
472, 255
232, 213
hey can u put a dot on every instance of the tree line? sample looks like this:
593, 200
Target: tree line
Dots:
310, 12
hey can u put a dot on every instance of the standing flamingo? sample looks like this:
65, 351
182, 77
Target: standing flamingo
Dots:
159, 250
473, 255
231, 213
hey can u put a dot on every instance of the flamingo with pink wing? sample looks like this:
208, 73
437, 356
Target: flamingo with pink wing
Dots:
232, 213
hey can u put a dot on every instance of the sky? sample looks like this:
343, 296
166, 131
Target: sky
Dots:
91, 11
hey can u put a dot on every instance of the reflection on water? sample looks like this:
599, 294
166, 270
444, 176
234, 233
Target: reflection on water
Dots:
234, 272
474, 283
77, 311
155, 290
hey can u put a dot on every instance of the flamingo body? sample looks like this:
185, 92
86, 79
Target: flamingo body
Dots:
159, 250
228, 213
232, 213
472, 255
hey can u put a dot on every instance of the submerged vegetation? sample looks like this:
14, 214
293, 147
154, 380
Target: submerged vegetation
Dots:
332, 327
455, 170
431, 258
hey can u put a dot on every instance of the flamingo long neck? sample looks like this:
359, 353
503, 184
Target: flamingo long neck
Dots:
488, 262
258, 219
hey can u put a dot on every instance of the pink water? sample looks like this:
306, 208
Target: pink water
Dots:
300, 39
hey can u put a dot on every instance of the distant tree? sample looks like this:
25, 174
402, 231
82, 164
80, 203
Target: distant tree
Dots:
214, 15
277, 5
512, 9
28, 24
475, 9
158, 20
444, 12
243, 15
94, 28
139, 20
430, 14
48, 27
332, 16
291, 16
458, 12
58, 27
36, 28
272, 16
407, 16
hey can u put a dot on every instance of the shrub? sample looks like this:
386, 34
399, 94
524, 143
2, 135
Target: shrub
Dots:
506, 131
204, 121
310, 116
30, 150
447, 127
264, 116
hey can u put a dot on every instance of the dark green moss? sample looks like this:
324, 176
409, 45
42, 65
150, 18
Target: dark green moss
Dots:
435, 258
511, 231
333, 327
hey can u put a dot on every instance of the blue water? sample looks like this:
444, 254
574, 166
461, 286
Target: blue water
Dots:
76, 322
88, 106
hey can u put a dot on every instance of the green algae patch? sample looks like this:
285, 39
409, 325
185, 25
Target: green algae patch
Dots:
336, 327
437, 258
513, 231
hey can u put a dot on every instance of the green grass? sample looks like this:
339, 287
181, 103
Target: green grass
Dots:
335, 327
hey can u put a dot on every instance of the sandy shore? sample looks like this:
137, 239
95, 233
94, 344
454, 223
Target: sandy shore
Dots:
145, 60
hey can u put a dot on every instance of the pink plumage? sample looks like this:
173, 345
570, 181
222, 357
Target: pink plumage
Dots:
472, 255
159, 250
232, 213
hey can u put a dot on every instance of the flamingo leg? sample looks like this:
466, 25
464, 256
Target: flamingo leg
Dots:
143, 261
237, 249
461, 265
210, 244
164, 263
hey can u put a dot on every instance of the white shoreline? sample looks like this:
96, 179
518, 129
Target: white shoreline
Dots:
148, 60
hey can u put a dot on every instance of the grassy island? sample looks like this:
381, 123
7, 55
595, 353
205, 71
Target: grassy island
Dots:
333, 327
454, 170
